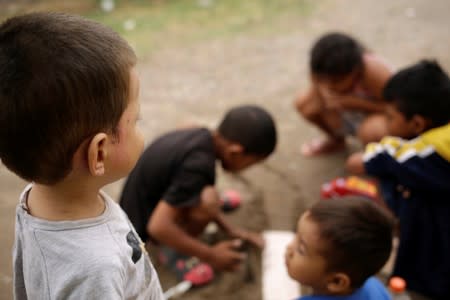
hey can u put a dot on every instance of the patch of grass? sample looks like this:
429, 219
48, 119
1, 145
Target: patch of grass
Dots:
151, 24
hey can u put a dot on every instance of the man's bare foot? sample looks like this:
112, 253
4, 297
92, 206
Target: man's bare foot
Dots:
321, 146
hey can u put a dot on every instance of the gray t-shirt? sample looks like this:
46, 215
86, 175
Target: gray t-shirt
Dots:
96, 258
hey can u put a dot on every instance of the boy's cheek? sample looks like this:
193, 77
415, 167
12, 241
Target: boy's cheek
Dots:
399, 130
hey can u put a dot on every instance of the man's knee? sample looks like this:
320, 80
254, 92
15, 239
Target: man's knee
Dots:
209, 200
198, 217
207, 208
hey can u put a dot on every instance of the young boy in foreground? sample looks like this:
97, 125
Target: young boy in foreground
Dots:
339, 246
68, 112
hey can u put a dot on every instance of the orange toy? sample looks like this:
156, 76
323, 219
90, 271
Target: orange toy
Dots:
352, 185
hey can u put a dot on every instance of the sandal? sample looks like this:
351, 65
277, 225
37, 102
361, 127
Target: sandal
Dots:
197, 276
200, 274
186, 268
230, 200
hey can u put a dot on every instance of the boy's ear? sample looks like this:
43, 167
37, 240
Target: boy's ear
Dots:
97, 154
339, 283
235, 149
419, 124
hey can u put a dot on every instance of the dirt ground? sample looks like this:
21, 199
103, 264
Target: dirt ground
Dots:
199, 82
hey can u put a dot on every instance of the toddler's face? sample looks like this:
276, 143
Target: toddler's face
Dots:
303, 257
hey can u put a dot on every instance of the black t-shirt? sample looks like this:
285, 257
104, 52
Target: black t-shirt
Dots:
175, 168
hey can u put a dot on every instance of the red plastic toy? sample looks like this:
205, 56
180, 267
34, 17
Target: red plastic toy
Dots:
352, 185
199, 275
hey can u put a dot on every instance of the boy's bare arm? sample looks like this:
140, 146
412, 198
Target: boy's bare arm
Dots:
355, 164
350, 102
334, 100
163, 227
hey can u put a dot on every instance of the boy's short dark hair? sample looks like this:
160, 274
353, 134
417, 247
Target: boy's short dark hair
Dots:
421, 89
357, 234
252, 127
63, 79
335, 54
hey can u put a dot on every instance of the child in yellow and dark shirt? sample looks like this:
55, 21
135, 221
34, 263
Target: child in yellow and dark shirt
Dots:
413, 168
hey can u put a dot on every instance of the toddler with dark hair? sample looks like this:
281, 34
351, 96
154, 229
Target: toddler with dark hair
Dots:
339, 246
68, 111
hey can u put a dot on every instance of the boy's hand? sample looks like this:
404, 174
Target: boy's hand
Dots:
254, 238
225, 255
355, 163
235, 232
330, 99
